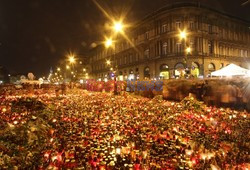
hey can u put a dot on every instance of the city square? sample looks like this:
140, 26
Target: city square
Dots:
126, 85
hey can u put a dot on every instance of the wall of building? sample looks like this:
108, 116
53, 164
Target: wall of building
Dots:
215, 39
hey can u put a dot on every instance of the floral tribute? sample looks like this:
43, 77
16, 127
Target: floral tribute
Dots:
93, 130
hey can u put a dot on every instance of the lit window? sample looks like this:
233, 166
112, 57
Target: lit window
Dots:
211, 67
146, 53
165, 48
164, 28
242, 53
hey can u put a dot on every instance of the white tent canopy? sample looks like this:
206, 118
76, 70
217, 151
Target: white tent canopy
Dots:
231, 70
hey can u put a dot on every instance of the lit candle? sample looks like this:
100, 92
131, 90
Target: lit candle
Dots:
118, 151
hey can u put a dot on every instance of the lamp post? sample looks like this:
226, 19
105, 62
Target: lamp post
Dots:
108, 63
118, 27
72, 61
188, 50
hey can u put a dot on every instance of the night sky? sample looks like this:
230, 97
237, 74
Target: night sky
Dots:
36, 34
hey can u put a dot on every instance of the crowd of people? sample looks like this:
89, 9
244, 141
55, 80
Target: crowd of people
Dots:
96, 130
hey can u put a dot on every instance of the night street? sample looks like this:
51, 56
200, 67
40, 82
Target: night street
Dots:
125, 84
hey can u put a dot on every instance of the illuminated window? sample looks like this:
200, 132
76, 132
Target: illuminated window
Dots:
211, 67
147, 73
146, 53
242, 53
164, 71
165, 48
164, 28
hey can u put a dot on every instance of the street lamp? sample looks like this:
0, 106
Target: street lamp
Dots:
108, 42
118, 26
183, 35
188, 50
67, 67
108, 62
72, 60
58, 69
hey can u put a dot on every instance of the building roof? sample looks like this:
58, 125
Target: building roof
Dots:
189, 4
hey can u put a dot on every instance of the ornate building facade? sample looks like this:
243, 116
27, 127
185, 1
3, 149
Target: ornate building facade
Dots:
155, 50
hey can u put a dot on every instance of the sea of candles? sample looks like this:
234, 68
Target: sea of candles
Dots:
98, 130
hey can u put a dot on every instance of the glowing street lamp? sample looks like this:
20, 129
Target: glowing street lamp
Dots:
108, 43
67, 67
183, 34
108, 62
118, 26
188, 50
58, 69
72, 60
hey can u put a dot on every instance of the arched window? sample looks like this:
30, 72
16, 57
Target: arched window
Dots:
211, 67
179, 70
164, 71
179, 66
137, 73
165, 48
131, 75
195, 71
147, 73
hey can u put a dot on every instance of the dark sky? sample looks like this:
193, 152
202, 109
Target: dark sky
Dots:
36, 34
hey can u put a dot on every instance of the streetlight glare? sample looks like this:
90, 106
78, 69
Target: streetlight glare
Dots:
108, 62
72, 59
67, 67
118, 26
58, 69
108, 42
188, 50
183, 34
